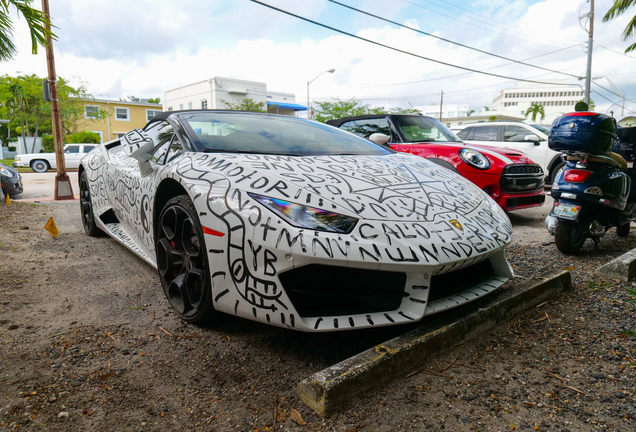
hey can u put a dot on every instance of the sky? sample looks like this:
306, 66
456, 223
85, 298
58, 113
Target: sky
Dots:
141, 48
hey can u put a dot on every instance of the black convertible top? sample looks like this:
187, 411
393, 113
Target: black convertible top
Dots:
339, 122
165, 114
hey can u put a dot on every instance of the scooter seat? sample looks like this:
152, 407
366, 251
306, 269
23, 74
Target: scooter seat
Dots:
611, 159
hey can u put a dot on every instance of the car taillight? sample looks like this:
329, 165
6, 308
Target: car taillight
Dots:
576, 175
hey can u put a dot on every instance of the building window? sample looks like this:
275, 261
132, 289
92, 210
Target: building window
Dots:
180, 106
91, 112
101, 135
204, 104
120, 135
122, 114
169, 108
189, 105
459, 123
447, 124
151, 113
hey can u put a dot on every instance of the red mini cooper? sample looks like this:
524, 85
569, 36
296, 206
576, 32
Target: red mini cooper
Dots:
509, 176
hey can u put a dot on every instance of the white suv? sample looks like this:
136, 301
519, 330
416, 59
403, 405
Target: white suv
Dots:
518, 136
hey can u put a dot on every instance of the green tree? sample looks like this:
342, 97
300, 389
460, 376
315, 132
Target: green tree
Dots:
34, 18
22, 99
338, 108
154, 100
22, 103
493, 118
535, 110
246, 104
618, 8
471, 112
485, 108
582, 106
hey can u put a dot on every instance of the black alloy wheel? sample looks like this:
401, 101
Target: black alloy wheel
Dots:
86, 208
182, 261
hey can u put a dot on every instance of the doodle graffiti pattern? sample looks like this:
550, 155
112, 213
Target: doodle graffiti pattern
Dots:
413, 217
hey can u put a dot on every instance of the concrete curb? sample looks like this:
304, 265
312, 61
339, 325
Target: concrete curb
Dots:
623, 267
331, 389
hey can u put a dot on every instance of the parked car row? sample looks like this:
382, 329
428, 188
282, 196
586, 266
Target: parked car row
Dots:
509, 176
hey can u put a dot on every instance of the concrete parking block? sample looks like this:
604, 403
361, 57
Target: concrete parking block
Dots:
623, 267
331, 389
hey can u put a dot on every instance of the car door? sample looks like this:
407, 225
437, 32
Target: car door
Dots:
487, 135
72, 155
133, 195
514, 138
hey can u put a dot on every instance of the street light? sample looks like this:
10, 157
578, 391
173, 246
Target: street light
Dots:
309, 82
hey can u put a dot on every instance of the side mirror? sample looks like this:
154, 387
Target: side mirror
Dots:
379, 138
534, 138
138, 145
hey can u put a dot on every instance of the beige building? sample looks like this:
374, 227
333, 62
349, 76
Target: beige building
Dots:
123, 116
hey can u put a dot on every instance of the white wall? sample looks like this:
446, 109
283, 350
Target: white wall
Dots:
22, 149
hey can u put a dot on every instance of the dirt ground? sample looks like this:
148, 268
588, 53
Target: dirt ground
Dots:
88, 342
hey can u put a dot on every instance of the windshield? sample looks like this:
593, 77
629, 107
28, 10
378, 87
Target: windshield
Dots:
269, 134
542, 128
419, 129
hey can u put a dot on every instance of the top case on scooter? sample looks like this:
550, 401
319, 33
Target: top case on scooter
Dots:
583, 132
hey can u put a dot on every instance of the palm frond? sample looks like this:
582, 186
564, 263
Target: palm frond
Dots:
618, 8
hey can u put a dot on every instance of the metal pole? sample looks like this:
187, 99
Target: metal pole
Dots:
308, 104
63, 188
441, 101
588, 77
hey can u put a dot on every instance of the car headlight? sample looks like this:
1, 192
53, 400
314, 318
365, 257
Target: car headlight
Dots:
303, 216
474, 158
17, 158
5, 172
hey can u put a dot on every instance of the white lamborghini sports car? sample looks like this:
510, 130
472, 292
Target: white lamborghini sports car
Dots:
291, 222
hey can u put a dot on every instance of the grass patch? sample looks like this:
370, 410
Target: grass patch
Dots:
597, 286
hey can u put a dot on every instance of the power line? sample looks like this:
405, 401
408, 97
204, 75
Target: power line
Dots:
615, 52
481, 17
473, 25
450, 41
397, 49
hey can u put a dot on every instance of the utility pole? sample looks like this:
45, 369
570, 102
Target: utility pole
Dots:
588, 76
441, 102
63, 188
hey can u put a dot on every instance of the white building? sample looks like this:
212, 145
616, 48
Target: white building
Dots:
210, 94
448, 110
556, 100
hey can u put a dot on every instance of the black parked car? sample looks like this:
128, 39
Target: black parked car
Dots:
11, 181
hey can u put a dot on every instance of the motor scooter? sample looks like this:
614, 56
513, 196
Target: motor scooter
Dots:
592, 191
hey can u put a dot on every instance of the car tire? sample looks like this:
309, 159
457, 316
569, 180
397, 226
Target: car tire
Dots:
182, 261
555, 171
86, 208
40, 166
623, 230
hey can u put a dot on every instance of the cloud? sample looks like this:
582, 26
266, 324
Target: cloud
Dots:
142, 48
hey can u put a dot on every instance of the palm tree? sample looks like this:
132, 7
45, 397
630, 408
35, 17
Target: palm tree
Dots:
35, 19
535, 109
486, 109
471, 112
618, 8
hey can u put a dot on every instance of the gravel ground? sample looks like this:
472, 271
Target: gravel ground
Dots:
88, 342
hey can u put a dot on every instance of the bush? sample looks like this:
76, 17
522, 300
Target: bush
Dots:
12, 148
581, 106
48, 144
83, 137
